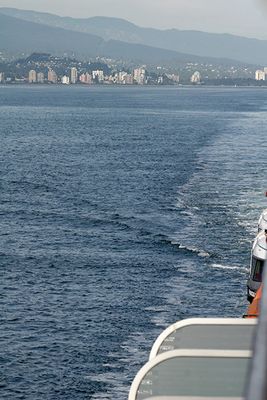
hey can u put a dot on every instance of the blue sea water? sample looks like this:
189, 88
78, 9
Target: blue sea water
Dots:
122, 210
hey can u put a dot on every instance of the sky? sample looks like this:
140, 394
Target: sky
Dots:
242, 17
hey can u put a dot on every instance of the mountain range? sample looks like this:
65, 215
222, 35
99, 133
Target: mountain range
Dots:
25, 31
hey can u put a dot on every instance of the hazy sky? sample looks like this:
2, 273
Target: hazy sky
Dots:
244, 17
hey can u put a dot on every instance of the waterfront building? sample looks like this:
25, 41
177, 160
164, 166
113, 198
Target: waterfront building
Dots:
73, 75
121, 77
98, 75
196, 77
65, 80
86, 78
114, 78
173, 77
2, 77
128, 79
52, 76
82, 78
139, 76
32, 76
40, 77
260, 75
124, 78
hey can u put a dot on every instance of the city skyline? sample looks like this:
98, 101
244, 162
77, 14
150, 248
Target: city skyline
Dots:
44, 68
205, 15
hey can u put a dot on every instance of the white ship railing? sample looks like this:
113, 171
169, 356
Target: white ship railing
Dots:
206, 333
257, 380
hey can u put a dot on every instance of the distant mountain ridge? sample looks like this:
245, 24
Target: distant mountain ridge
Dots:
17, 35
24, 37
226, 46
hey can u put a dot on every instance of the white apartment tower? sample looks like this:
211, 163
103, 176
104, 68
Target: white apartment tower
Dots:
73, 75
139, 75
259, 75
65, 80
196, 77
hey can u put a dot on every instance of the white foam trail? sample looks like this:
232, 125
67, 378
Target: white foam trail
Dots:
200, 252
231, 267
159, 320
130, 354
203, 254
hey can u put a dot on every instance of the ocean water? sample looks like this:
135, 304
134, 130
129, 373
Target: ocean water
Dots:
122, 210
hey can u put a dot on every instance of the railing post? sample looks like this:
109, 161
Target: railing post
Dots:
257, 379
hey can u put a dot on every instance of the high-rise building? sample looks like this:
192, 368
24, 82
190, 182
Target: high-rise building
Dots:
98, 75
139, 75
73, 75
121, 77
40, 77
32, 76
124, 78
196, 77
52, 76
65, 80
86, 78
2, 77
259, 75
